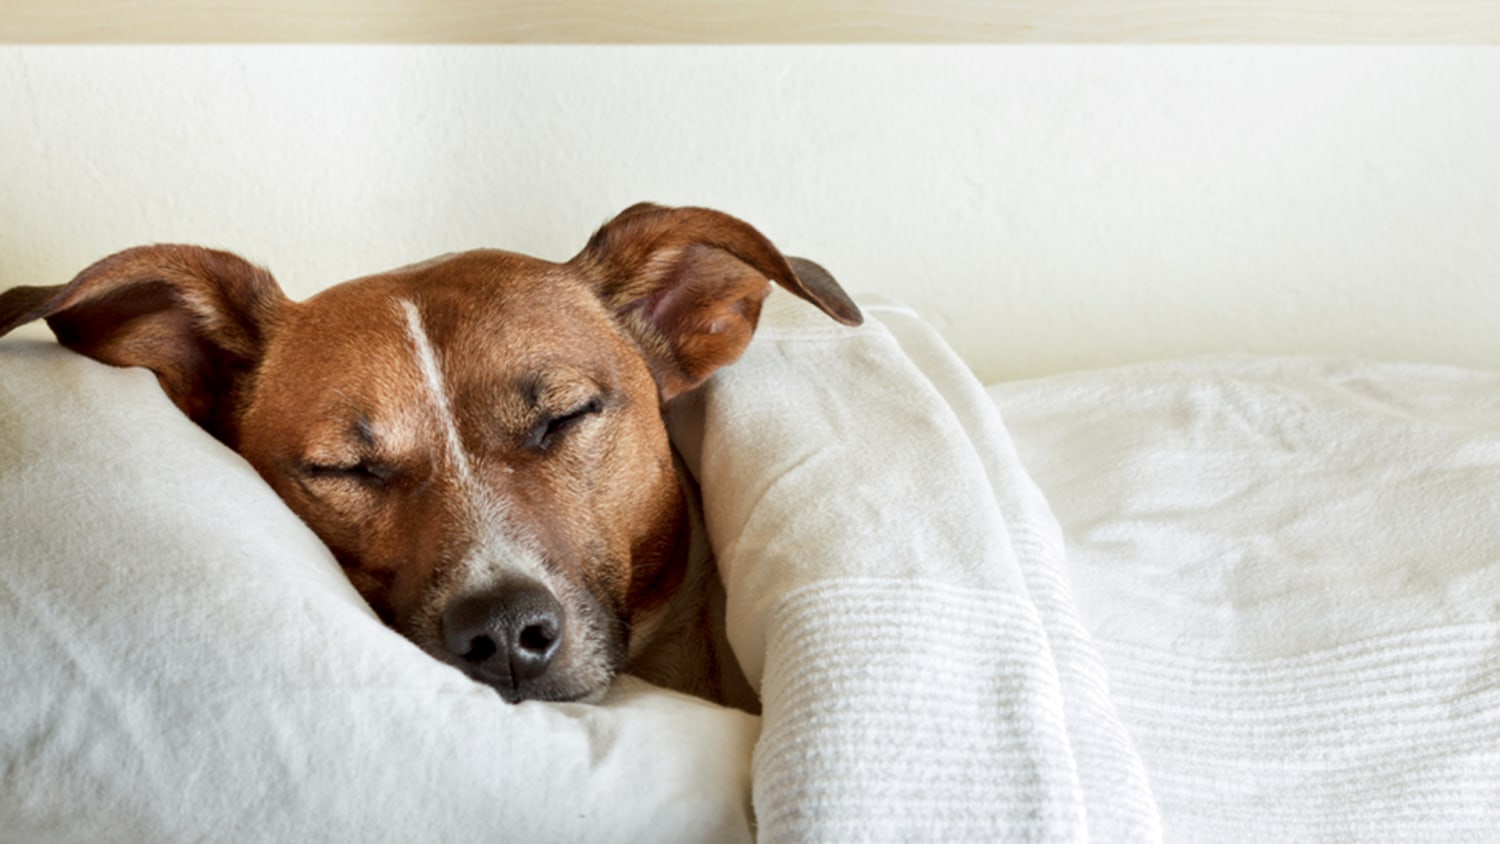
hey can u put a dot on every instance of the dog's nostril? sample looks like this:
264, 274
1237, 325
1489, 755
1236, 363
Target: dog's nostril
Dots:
537, 638
480, 649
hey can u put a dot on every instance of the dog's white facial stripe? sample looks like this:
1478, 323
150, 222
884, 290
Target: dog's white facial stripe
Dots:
432, 377
498, 548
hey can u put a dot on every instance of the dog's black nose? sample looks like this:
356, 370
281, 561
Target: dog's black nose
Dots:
506, 636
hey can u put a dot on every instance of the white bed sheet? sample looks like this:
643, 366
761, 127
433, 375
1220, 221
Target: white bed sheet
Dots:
1291, 568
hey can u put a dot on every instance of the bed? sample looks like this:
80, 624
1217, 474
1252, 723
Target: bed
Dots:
1251, 598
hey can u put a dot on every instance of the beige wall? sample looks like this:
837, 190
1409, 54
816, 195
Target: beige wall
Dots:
1048, 207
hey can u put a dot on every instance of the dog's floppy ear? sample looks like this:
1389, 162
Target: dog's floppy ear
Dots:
196, 317
688, 283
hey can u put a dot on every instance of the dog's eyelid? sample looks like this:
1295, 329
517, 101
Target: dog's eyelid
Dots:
593, 404
368, 472
552, 426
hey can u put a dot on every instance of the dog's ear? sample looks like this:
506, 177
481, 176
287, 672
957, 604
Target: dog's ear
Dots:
688, 283
195, 317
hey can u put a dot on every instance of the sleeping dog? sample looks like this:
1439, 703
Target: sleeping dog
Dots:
478, 438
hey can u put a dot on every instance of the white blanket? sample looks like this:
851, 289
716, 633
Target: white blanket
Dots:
896, 594
1284, 572
1292, 570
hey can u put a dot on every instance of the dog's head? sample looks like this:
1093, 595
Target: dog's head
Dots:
478, 438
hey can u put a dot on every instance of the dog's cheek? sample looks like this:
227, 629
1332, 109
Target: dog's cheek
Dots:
371, 575
642, 501
375, 589
420, 546
581, 537
579, 514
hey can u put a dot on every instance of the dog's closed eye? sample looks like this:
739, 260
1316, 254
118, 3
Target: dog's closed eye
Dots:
551, 428
364, 472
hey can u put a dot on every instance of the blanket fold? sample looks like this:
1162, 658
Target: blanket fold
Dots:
895, 593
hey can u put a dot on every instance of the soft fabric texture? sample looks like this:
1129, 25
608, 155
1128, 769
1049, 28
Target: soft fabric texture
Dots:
181, 660
1292, 571
896, 594
1265, 610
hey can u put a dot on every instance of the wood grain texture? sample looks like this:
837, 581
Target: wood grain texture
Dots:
766, 21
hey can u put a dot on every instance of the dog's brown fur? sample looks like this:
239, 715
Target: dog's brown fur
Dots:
470, 427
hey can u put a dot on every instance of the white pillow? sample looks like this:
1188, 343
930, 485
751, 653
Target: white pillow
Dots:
181, 659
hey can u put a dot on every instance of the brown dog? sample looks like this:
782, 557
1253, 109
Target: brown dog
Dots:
478, 438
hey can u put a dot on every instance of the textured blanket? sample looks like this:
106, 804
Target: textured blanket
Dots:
897, 594
1217, 600
1291, 568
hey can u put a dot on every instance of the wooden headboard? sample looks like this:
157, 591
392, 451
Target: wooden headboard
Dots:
766, 21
